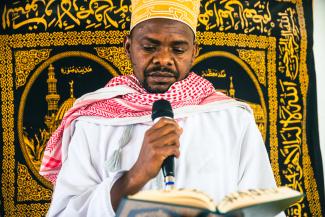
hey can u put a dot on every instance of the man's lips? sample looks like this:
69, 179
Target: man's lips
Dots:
161, 78
161, 74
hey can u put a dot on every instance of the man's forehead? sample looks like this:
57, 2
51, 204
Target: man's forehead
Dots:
161, 25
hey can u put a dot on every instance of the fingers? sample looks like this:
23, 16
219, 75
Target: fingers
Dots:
166, 151
159, 142
167, 135
164, 146
163, 128
165, 121
161, 153
170, 139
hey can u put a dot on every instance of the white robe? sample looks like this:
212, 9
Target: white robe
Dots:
221, 151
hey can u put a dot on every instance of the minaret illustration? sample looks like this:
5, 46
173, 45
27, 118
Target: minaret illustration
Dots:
52, 99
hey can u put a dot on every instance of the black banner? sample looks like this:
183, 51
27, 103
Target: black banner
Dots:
52, 52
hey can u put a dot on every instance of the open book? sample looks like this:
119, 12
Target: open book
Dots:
184, 202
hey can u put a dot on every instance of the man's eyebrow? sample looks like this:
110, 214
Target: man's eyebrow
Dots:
180, 42
157, 42
151, 40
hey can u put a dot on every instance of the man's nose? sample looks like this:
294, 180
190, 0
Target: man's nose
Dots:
163, 57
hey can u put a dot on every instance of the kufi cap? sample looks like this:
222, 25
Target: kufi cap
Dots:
185, 11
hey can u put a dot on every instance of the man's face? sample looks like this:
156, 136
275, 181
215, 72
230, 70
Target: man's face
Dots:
162, 52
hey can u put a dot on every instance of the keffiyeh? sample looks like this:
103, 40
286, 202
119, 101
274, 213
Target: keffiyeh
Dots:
127, 99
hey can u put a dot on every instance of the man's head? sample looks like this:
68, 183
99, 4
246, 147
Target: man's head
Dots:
162, 52
161, 45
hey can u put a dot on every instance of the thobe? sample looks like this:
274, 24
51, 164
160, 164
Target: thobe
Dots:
221, 151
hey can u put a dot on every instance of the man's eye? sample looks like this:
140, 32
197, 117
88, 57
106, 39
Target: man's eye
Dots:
178, 50
149, 48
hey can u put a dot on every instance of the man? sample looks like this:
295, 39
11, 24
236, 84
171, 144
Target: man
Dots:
109, 148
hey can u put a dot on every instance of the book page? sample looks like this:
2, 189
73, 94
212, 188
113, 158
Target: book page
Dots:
238, 200
180, 197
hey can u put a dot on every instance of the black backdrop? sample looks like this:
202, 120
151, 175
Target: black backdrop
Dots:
52, 52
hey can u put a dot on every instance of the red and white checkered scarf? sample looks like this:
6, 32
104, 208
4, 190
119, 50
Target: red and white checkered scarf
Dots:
194, 90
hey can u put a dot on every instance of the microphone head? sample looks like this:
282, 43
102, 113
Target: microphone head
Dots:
162, 108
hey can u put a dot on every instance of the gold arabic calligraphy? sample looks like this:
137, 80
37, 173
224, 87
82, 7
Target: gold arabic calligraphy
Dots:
66, 14
288, 44
290, 106
76, 70
228, 15
249, 17
214, 73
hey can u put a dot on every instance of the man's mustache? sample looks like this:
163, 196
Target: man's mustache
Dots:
161, 71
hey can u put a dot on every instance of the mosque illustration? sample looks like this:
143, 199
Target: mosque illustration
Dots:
35, 145
55, 114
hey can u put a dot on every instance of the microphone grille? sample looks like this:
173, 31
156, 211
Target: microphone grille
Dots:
162, 108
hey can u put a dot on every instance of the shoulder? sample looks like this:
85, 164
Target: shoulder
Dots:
231, 109
235, 115
91, 126
97, 136
85, 122
239, 110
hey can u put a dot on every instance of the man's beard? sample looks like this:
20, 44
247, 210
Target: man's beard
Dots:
155, 70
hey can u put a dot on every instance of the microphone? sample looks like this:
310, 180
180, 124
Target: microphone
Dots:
162, 108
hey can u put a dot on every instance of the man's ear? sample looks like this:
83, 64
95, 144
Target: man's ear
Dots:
127, 45
195, 51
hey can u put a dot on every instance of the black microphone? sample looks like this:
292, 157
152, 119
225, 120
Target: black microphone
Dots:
162, 108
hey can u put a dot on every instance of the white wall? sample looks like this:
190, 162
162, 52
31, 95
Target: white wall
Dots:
319, 52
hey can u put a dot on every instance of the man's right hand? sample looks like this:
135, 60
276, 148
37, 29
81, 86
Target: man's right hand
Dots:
159, 142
